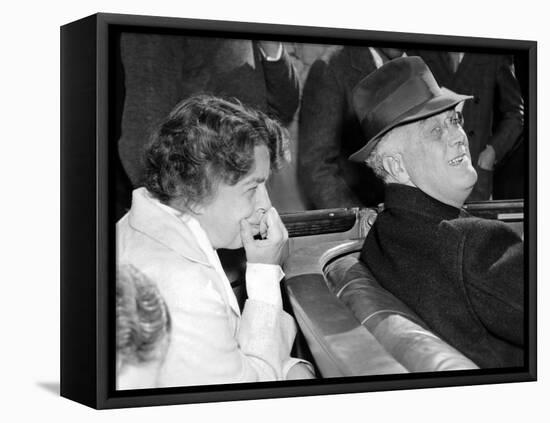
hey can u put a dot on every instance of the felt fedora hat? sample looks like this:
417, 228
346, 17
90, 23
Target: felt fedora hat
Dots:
401, 91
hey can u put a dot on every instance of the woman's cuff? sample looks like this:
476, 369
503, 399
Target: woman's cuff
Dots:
306, 372
262, 283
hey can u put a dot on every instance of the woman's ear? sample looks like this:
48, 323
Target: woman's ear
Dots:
195, 209
395, 167
183, 207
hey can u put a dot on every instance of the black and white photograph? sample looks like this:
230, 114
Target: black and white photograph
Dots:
276, 211
290, 211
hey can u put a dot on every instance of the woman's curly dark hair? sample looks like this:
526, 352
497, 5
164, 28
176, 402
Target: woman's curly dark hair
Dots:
205, 140
142, 318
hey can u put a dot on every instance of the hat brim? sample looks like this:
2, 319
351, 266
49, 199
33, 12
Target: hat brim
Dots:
433, 106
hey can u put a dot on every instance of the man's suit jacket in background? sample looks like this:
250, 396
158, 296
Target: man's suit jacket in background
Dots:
330, 132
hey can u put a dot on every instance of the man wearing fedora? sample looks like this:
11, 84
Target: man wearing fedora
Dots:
462, 275
494, 117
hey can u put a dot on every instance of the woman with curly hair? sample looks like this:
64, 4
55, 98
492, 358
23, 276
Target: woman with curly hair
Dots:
205, 189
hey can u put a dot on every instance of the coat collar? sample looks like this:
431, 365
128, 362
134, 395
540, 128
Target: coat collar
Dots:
415, 201
147, 217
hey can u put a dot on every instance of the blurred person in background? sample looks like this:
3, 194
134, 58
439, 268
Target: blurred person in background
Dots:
329, 130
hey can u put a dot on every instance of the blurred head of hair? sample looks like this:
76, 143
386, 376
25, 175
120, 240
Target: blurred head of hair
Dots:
142, 328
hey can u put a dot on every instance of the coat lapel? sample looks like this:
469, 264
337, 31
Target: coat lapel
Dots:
472, 67
438, 64
147, 217
361, 60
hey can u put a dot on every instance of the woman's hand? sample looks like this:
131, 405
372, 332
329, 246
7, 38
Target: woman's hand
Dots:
271, 248
300, 371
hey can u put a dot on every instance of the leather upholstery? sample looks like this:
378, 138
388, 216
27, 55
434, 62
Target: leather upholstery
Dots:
397, 328
340, 345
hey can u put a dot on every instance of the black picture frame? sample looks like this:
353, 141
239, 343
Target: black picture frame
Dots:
87, 232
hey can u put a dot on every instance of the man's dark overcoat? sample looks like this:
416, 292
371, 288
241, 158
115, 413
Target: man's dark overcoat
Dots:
462, 275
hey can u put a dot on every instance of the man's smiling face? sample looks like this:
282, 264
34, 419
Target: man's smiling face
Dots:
438, 160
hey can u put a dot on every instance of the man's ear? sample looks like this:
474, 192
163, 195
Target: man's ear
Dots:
395, 167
